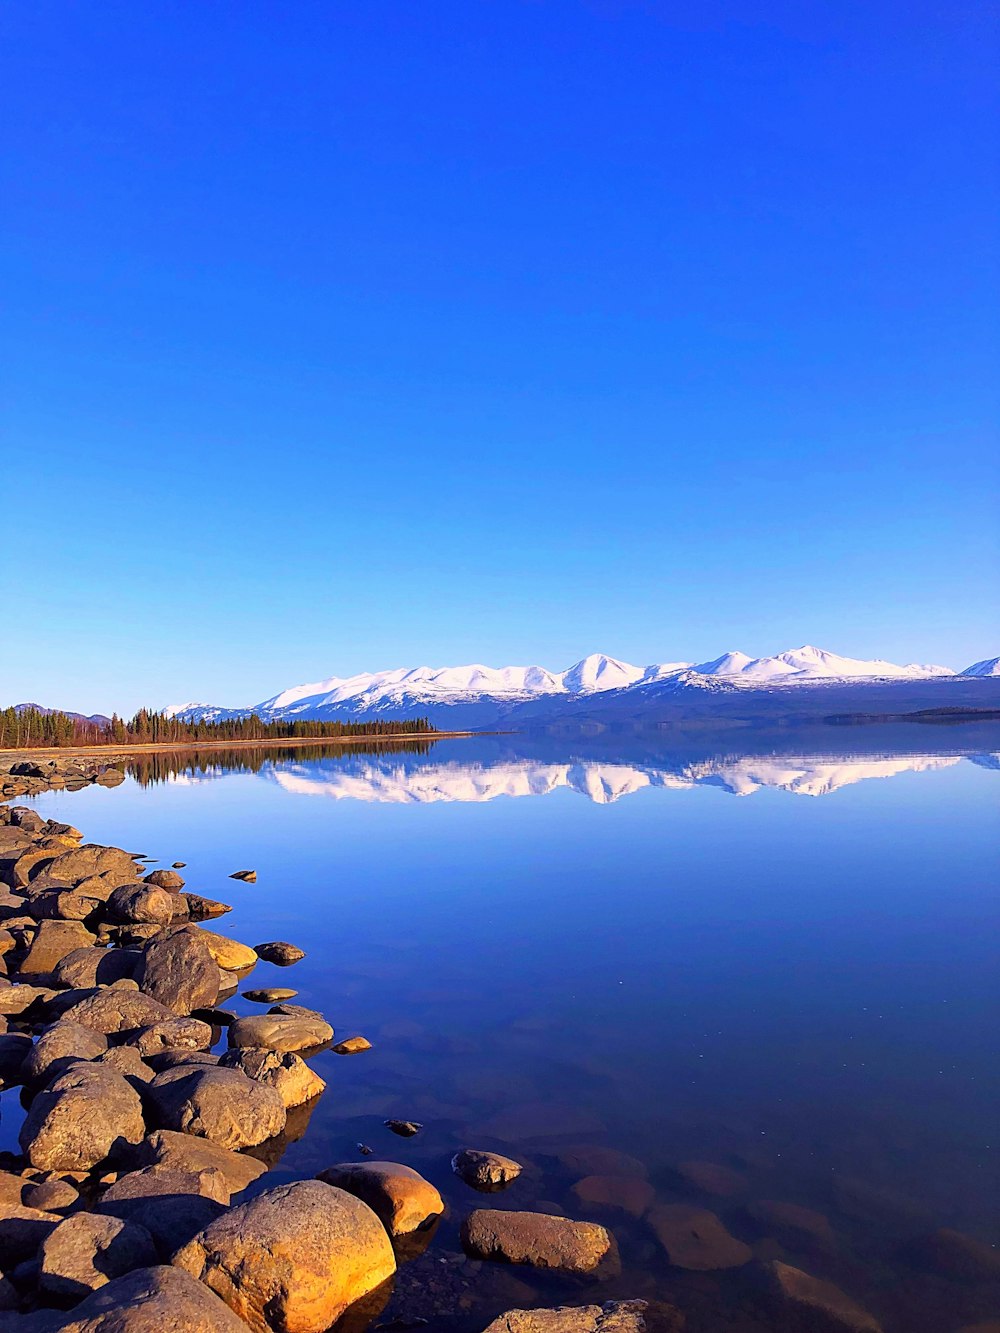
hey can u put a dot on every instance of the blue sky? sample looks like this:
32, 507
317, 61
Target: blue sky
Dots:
337, 337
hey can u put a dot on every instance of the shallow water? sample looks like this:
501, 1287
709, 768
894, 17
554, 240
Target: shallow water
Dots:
776, 956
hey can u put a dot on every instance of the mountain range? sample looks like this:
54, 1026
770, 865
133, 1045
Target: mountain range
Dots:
604, 689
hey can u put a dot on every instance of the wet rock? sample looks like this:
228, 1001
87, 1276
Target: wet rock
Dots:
269, 994
229, 954
172, 1205
294, 1259
399, 1196
540, 1240
164, 879
630, 1194
171, 1034
87, 1251
695, 1238
144, 904
406, 1129
80, 1118
712, 1178
352, 1046
200, 908
247, 876
88, 967
180, 972
22, 1231
825, 1307
149, 1300
280, 952
284, 1071
184, 1152
793, 1223
50, 1196
279, 1032
116, 1011
52, 941
612, 1317
218, 1104
485, 1171
58, 1047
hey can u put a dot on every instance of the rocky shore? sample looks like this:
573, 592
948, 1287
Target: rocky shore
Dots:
139, 1199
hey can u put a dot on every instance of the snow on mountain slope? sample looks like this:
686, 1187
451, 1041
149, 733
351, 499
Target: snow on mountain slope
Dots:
477, 696
990, 666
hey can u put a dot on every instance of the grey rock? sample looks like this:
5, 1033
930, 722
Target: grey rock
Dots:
88, 1251
80, 1118
218, 1104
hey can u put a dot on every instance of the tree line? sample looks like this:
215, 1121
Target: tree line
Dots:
31, 728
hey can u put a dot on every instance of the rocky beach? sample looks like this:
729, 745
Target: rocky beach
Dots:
152, 1115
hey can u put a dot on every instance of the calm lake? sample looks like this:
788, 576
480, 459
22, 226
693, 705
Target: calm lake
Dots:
741, 973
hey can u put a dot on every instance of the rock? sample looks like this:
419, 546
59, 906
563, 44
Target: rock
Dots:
269, 994
406, 1129
171, 1034
792, 1222
399, 1196
695, 1238
144, 904
279, 1032
956, 1255
178, 865
229, 954
184, 1152
52, 941
164, 879
712, 1178
115, 1011
826, 1308
200, 908
613, 1317
64, 905
352, 1046
295, 1011
218, 1104
58, 1047
485, 1171
87, 1251
18, 998
80, 1118
628, 1193
591, 1159
127, 1061
540, 1240
293, 1259
88, 967
172, 1205
180, 972
149, 1300
82, 862
172, 1059
248, 876
22, 1231
50, 1196
280, 952
284, 1071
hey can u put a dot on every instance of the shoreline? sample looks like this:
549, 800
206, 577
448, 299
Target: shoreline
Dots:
161, 747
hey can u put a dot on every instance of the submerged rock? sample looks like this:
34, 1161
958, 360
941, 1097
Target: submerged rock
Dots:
485, 1171
630, 1194
695, 1238
540, 1240
825, 1306
399, 1196
612, 1317
293, 1259
269, 994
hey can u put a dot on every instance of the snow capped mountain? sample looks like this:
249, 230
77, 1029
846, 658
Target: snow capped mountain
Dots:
478, 696
990, 666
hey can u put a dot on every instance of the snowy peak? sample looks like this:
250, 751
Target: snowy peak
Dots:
598, 672
989, 666
810, 663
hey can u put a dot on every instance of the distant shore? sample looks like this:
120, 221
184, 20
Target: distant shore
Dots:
271, 743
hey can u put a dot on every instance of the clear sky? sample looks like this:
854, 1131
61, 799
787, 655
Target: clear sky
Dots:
346, 336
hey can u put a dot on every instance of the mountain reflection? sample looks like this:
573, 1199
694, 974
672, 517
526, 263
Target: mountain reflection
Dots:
603, 770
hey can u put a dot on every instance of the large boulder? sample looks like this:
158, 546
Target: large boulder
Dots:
399, 1196
279, 1032
52, 941
540, 1240
80, 1119
88, 967
58, 1047
116, 1010
22, 1230
184, 1152
180, 972
485, 1171
149, 1300
695, 1238
612, 1317
294, 1259
82, 862
87, 1251
230, 954
172, 1034
629, 1194
819, 1305
284, 1071
172, 1205
164, 879
142, 903
214, 1103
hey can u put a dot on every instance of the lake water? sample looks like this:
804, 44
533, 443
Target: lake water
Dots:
779, 959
